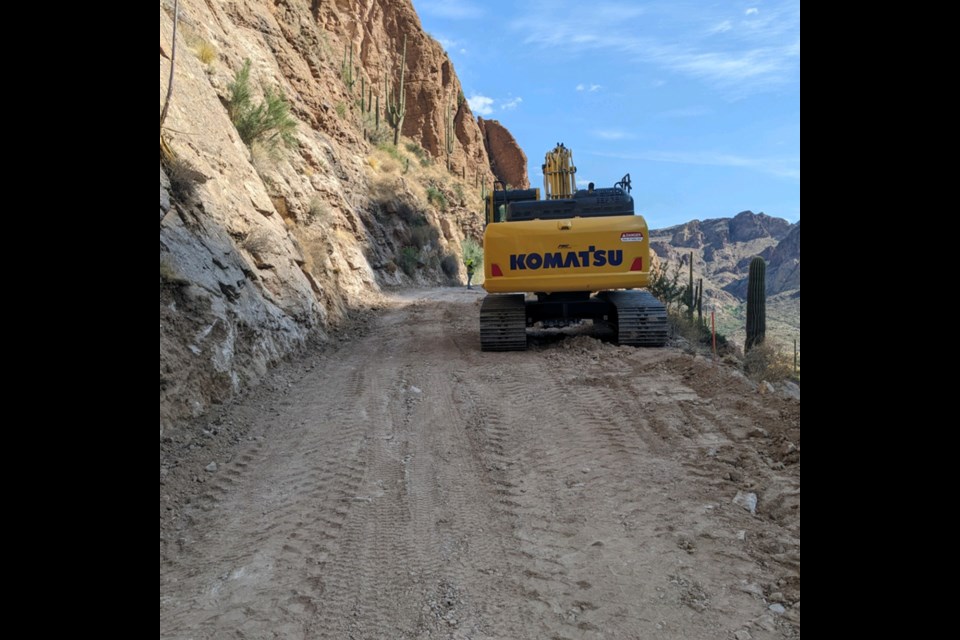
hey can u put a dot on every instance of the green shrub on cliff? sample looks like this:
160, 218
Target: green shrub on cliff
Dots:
268, 123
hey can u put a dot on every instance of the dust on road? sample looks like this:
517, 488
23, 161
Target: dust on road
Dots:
407, 485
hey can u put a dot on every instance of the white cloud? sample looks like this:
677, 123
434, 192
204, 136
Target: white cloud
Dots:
721, 27
511, 104
752, 11
481, 105
686, 112
451, 9
753, 54
782, 167
446, 43
611, 134
589, 87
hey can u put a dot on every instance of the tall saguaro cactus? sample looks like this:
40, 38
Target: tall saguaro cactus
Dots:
756, 303
346, 68
448, 134
691, 293
396, 106
700, 302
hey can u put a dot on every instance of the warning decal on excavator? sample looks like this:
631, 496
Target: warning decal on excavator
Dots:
631, 236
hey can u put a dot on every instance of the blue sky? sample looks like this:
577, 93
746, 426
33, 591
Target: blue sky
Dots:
698, 101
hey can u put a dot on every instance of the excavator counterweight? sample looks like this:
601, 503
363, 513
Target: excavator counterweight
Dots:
574, 255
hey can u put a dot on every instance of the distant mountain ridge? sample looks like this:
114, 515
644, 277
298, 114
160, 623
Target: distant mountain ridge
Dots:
722, 250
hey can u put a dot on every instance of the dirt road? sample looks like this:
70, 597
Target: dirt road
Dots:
407, 485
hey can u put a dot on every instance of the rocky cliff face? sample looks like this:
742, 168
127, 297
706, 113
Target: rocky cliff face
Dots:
725, 246
376, 29
507, 159
261, 251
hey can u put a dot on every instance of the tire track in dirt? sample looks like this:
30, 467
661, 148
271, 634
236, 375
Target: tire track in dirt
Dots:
411, 486
292, 496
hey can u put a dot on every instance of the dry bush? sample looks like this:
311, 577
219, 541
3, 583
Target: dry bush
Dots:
184, 179
390, 166
205, 51
437, 198
258, 242
317, 210
765, 362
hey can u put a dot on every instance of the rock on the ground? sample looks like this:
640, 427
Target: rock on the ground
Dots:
790, 389
746, 500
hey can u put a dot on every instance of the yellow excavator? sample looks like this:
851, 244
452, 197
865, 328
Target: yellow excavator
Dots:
574, 255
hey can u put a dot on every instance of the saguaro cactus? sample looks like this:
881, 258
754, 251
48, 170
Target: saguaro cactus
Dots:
756, 303
396, 107
691, 293
448, 134
346, 68
700, 302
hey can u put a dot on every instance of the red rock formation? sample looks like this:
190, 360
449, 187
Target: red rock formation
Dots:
507, 159
376, 28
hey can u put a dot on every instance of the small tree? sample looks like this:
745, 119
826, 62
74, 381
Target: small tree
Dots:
268, 123
409, 259
666, 285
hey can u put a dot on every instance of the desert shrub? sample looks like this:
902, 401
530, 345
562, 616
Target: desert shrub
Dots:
258, 242
183, 177
391, 151
317, 210
437, 198
665, 284
422, 156
205, 51
765, 362
375, 136
409, 258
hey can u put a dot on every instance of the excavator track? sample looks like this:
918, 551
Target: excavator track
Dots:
641, 318
503, 323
